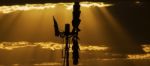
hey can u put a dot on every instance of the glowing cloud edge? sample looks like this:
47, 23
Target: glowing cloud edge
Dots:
26, 7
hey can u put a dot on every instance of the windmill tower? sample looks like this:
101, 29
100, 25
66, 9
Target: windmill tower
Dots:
70, 35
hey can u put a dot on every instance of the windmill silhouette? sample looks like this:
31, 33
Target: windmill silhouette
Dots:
70, 35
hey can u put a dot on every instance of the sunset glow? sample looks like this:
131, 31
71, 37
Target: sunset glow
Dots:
46, 45
74, 33
26, 7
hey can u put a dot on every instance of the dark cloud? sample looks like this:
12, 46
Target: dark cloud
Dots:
11, 2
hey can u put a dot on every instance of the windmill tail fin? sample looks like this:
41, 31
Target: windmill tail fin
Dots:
57, 32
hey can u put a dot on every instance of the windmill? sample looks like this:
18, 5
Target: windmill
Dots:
73, 35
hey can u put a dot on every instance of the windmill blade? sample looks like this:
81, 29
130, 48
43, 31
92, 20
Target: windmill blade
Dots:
57, 32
